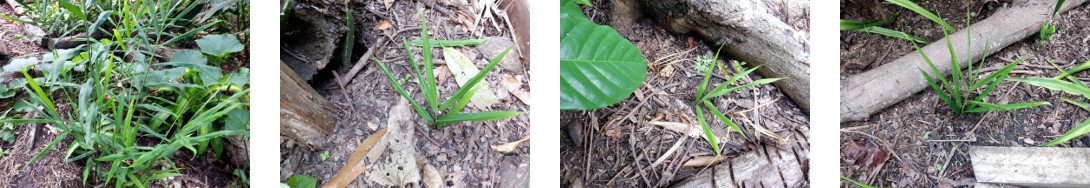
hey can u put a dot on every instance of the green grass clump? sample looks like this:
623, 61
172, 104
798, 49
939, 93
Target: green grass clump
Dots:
434, 112
705, 99
125, 112
958, 93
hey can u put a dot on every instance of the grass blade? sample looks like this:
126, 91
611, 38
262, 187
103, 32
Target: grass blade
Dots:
1080, 104
447, 43
872, 27
480, 116
416, 71
76, 10
936, 88
20, 20
433, 99
856, 182
393, 81
955, 76
349, 38
1083, 66
984, 107
729, 81
916, 8
48, 147
707, 130
724, 119
714, 94
707, 75
1059, 4
476, 78
463, 101
1055, 84
1079, 130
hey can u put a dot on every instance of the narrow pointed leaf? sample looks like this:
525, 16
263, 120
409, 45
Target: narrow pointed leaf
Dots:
476, 78
707, 130
393, 81
447, 43
724, 119
722, 92
916, 8
1079, 130
480, 116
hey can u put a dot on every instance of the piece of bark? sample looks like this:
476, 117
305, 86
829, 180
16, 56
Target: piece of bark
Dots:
755, 31
305, 115
766, 166
867, 93
314, 31
1031, 166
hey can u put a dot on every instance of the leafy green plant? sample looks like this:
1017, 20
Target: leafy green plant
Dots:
301, 181
433, 113
1072, 86
874, 27
598, 67
7, 130
958, 94
1047, 29
704, 98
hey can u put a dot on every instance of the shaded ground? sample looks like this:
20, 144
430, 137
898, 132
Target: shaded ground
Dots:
52, 170
922, 134
617, 146
458, 149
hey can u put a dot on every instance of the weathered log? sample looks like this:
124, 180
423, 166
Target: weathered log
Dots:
753, 31
305, 115
867, 93
767, 166
314, 30
1031, 166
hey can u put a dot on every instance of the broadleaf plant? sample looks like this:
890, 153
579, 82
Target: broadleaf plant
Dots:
433, 112
703, 98
598, 67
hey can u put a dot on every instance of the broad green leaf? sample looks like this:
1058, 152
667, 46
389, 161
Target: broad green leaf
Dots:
219, 45
916, 8
20, 64
238, 120
447, 43
75, 10
480, 116
193, 57
1079, 130
598, 67
302, 181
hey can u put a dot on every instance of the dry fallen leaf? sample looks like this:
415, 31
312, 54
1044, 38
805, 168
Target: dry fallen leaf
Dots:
508, 147
355, 165
454, 180
431, 177
388, 3
515, 88
384, 25
372, 125
702, 161
463, 68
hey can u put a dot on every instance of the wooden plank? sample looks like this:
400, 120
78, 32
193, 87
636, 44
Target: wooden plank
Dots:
305, 115
1032, 166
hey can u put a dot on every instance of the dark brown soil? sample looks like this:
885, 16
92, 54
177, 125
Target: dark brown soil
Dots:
615, 146
921, 132
458, 148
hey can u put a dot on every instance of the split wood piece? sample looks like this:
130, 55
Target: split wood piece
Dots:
356, 164
1031, 166
305, 115
867, 93
779, 168
314, 31
750, 31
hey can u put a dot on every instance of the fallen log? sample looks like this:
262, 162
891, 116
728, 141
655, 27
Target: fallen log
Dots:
757, 32
1031, 166
867, 93
305, 116
314, 30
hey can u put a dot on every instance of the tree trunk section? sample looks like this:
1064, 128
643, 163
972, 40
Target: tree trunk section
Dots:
867, 93
314, 30
757, 32
304, 115
1031, 166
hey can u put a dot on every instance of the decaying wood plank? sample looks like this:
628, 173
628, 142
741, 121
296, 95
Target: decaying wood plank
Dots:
766, 166
304, 115
867, 93
1032, 166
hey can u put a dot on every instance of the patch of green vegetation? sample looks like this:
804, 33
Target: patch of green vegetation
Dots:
705, 99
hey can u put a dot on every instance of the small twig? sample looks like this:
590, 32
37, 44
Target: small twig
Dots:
345, 94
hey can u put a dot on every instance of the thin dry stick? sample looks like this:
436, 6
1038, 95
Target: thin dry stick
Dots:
341, 84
